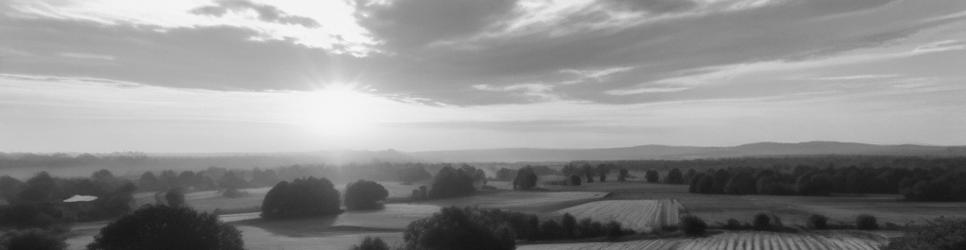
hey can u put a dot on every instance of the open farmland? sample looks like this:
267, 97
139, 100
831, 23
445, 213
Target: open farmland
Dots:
738, 241
640, 215
523, 201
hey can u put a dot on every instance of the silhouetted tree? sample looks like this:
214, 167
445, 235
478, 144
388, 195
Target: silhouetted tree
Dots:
364, 194
622, 175
526, 179
10, 187
371, 243
588, 172
163, 227
866, 222
575, 180
550, 229
456, 228
817, 221
174, 197
450, 182
762, 221
740, 183
569, 225
32, 239
602, 171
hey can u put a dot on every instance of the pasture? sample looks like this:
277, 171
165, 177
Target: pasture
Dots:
737, 241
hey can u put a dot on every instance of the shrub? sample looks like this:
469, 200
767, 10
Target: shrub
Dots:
762, 221
300, 198
549, 229
940, 234
866, 222
455, 228
693, 225
32, 239
651, 176
613, 230
174, 197
587, 229
575, 180
732, 224
370, 243
163, 227
364, 194
817, 221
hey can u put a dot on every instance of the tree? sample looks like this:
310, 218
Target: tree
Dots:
693, 225
817, 221
9, 187
762, 221
456, 228
506, 174
148, 182
549, 229
450, 182
40, 188
622, 175
674, 177
866, 222
163, 227
32, 239
602, 171
301, 198
703, 184
575, 180
569, 225
174, 197
526, 179
588, 172
371, 243
651, 176
613, 230
364, 194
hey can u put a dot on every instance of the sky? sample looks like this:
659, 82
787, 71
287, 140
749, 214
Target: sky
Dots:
280, 76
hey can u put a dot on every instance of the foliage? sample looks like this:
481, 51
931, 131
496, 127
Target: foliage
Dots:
651, 176
942, 234
32, 239
164, 227
762, 221
450, 182
602, 171
301, 198
622, 175
693, 225
674, 177
817, 221
575, 180
364, 194
866, 222
568, 225
525, 179
174, 197
740, 183
613, 230
38, 202
371, 243
456, 228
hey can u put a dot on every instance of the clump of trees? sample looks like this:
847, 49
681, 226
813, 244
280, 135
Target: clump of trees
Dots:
165, 227
39, 201
866, 222
817, 221
300, 198
525, 179
452, 182
692, 225
674, 177
652, 176
371, 243
364, 194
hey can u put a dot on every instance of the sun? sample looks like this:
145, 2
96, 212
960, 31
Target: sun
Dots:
336, 109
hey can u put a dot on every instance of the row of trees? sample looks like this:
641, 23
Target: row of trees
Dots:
318, 197
934, 184
40, 201
452, 182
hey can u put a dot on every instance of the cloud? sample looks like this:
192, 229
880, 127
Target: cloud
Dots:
414, 23
265, 13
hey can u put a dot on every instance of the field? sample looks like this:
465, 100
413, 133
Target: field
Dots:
640, 215
738, 241
793, 210
523, 201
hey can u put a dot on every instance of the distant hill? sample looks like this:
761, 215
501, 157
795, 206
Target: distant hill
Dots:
688, 152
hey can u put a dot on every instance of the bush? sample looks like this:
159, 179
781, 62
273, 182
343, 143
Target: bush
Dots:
174, 197
651, 176
163, 227
364, 194
549, 229
587, 228
940, 234
455, 228
817, 221
569, 225
301, 198
866, 222
762, 221
732, 224
693, 225
575, 180
33, 239
370, 243
613, 230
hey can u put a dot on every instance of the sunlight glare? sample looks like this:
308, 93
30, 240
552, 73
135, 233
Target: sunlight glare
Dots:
336, 110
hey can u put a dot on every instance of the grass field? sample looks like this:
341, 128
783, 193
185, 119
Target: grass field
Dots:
738, 241
639, 215
523, 201
793, 210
